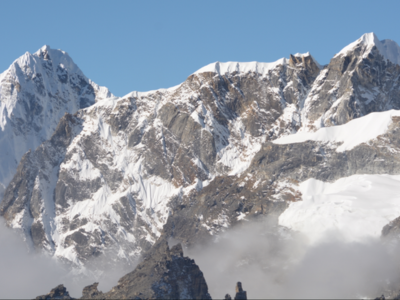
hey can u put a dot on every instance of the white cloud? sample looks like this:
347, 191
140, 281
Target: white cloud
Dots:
287, 266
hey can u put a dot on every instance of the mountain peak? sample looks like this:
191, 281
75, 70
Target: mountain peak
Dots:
369, 39
387, 48
45, 48
58, 57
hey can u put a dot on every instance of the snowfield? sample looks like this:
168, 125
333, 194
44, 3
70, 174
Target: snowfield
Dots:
355, 207
351, 134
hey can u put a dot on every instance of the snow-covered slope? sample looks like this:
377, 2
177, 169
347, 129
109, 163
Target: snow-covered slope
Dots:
35, 92
355, 207
348, 135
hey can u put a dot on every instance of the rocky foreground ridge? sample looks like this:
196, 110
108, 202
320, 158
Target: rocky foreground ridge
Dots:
164, 274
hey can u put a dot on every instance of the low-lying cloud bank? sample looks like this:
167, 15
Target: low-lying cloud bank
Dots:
270, 261
273, 262
25, 275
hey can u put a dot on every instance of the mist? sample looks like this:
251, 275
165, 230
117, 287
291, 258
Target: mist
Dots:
270, 261
25, 275
273, 262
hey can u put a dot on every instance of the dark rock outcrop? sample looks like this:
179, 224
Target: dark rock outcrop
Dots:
392, 229
240, 293
59, 292
164, 274
91, 292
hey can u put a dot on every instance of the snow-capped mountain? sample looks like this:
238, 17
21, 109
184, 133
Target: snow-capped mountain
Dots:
112, 174
35, 92
232, 142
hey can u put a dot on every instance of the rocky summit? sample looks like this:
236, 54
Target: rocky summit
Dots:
85, 174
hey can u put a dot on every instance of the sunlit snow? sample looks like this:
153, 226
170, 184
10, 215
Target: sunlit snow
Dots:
356, 207
388, 48
351, 134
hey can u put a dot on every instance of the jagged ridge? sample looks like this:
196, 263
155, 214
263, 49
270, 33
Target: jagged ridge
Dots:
199, 157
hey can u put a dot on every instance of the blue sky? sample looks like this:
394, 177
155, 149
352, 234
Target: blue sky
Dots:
146, 45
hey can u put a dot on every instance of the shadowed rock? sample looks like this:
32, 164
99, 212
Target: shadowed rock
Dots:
240, 294
164, 274
59, 292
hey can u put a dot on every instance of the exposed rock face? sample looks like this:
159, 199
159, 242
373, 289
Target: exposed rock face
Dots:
27, 189
194, 160
271, 182
355, 83
59, 292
